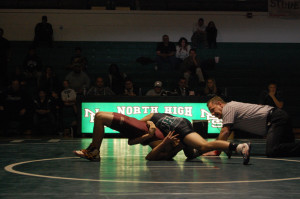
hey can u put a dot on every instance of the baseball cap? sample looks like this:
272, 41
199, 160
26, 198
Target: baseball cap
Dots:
158, 84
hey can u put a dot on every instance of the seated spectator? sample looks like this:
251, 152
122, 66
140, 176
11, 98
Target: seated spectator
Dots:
211, 89
32, 66
69, 109
78, 80
192, 71
43, 116
182, 88
19, 75
211, 32
43, 33
182, 49
14, 109
68, 95
100, 89
199, 34
57, 109
129, 89
48, 81
271, 96
116, 79
165, 52
157, 90
78, 58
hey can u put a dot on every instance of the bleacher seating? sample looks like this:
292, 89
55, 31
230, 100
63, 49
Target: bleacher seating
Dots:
244, 68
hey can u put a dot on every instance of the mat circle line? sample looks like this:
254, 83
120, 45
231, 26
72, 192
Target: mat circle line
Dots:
10, 168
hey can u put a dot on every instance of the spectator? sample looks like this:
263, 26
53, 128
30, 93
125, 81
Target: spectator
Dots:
182, 89
68, 95
57, 109
199, 34
165, 52
32, 65
116, 79
4, 57
43, 117
78, 58
157, 90
192, 71
19, 75
211, 32
182, 49
78, 80
43, 33
211, 89
271, 96
129, 89
100, 89
14, 107
69, 109
48, 81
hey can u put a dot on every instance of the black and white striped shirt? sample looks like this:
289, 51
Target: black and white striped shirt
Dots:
247, 117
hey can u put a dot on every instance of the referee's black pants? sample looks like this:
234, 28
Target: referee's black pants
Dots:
280, 137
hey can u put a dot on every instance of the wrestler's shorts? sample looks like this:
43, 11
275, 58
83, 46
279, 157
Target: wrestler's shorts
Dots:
184, 128
128, 126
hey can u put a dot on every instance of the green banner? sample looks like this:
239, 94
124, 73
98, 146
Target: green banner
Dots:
195, 112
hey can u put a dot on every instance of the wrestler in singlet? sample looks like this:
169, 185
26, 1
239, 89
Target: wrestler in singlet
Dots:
133, 128
166, 123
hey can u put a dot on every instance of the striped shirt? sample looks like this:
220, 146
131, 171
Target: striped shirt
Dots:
251, 118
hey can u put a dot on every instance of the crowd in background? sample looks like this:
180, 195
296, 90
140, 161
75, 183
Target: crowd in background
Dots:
34, 101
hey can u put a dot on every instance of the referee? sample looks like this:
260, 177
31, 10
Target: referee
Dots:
264, 120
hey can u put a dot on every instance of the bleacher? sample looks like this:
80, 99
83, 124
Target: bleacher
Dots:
243, 71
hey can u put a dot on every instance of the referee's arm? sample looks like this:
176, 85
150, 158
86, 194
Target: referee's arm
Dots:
225, 133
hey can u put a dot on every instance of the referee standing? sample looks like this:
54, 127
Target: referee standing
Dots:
264, 120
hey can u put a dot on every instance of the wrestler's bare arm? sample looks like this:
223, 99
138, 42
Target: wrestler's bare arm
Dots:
165, 150
139, 140
150, 134
147, 117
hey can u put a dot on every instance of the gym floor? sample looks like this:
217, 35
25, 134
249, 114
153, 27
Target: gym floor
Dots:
46, 168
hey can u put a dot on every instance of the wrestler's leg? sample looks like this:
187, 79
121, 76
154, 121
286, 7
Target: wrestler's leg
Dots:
194, 140
92, 152
101, 119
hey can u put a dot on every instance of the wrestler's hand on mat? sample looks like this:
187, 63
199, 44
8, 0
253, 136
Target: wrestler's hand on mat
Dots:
151, 126
170, 138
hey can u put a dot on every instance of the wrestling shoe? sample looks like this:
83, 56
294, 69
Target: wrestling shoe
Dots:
244, 149
92, 155
191, 153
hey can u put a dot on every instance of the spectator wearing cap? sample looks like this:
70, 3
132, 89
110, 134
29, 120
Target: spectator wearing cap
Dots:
157, 90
